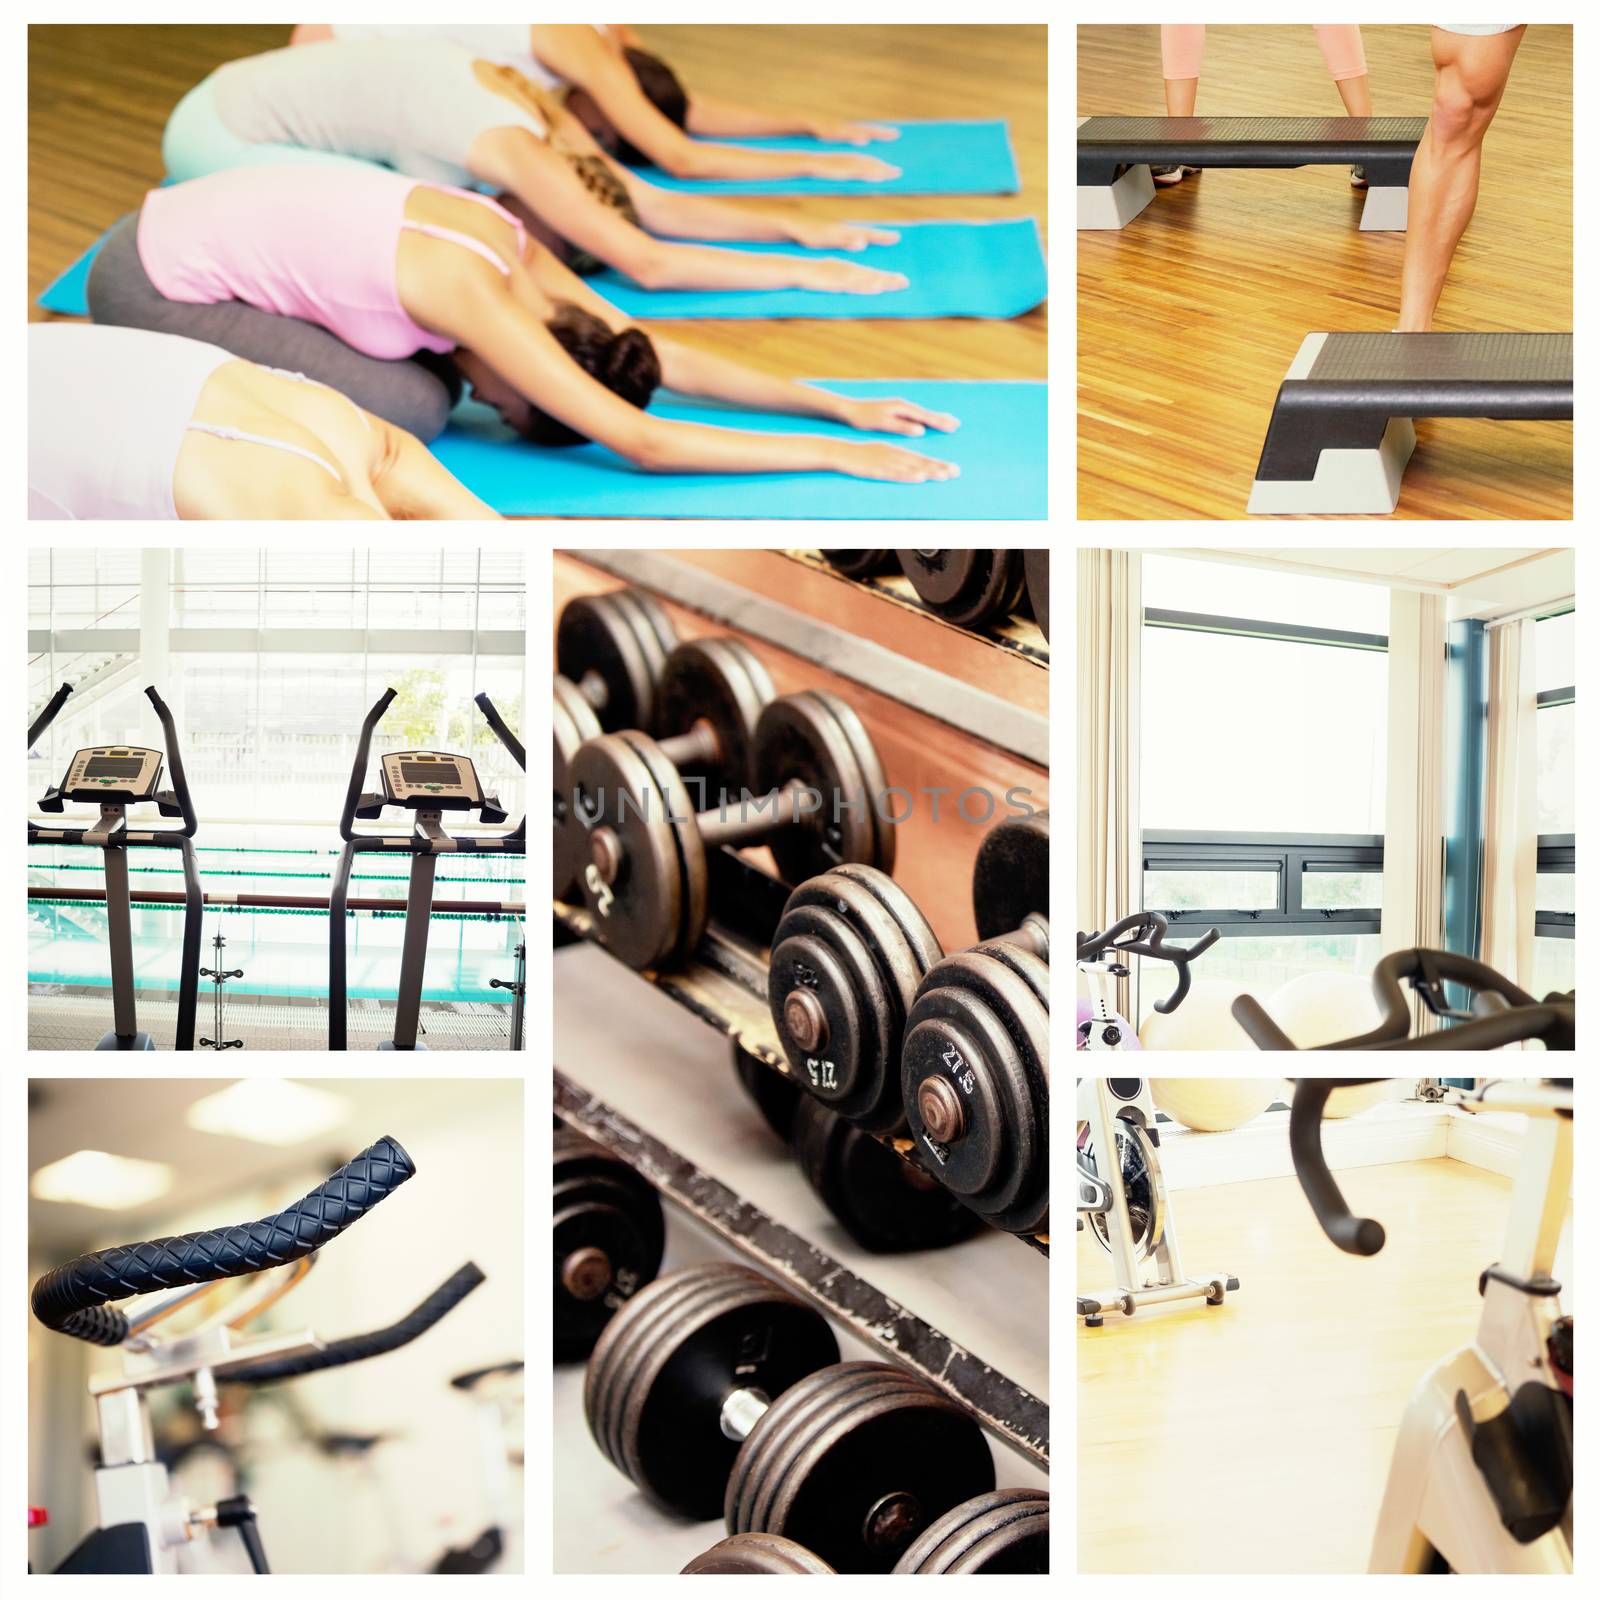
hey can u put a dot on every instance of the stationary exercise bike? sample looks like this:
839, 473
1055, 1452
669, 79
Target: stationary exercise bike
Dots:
1125, 1200
426, 783
1102, 957
1481, 1478
144, 1526
115, 777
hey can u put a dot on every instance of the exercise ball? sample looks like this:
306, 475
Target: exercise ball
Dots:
1319, 1007
1213, 1105
1351, 1102
1203, 1022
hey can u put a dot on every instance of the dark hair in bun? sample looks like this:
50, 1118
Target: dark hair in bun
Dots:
661, 88
626, 363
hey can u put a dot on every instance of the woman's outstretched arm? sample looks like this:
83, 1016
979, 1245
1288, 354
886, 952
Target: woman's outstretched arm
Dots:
415, 486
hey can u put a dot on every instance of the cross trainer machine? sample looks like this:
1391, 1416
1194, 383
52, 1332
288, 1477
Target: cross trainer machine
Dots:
1125, 1199
115, 777
1481, 1477
143, 1525
426, 783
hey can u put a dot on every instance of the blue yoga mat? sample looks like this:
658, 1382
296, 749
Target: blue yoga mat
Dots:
957, 269
1000, 446
933, 157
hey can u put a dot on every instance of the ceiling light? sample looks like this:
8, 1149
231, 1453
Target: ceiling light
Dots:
269, 1111
94, 1178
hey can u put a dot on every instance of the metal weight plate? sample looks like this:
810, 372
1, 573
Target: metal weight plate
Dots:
757, 1553
656, 1383
722, 683
853, 1462
607, 635
573, 721
847, 956
607, 1241
884, 1203
966, 587
677, 807
638, 915
775, 1096
981, 1028
858, 563
814, 738
1011, 877
1036, 566
1006, 1530
657, 639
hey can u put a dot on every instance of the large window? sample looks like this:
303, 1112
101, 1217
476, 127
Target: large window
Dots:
1264, 716
1555, 902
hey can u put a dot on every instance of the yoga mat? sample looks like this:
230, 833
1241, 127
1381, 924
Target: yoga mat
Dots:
933, 157
1000, 447
957, 269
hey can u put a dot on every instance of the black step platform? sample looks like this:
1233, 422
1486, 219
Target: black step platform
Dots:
1115, 155
1341, 432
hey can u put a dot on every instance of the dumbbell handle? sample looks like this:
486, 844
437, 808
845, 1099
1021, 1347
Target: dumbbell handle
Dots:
742, 1409
1033, 936
757, 818
698, 746
592, 686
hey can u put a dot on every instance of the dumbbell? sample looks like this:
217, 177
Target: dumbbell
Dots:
885, 1204
880, 1025
1036, 565
716, 1389
818, 778
967, 587
710, 694
608, 1236
757, 1554
858, 563
1005, 1530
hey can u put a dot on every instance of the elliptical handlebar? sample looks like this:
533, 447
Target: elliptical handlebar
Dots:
48, 714
1150, 931
1356, 1236
1502, 1013
513, 744
178, 799
358, 768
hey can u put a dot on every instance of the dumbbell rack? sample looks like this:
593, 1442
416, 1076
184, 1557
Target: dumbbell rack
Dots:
997, 696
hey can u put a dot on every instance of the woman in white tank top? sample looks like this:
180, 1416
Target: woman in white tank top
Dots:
633, 102
126, 424
434, 111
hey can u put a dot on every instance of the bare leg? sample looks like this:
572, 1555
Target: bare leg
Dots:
1470, 74
1180, 95
1356, 94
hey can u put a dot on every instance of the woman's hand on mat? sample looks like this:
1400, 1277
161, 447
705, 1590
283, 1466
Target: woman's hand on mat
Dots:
865, 169
888, 463
894, 416
838, 235
834, 130
845, 277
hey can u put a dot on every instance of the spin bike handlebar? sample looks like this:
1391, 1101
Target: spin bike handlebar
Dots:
1502, 1013
74, 1298
1356, 1236
1149, 929
48, 715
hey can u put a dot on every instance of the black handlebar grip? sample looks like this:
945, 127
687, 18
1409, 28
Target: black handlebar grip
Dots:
180, 782
72, 1299
1356, 1236
49, 714
358, 767
363, 1346
501, 731
1181, 989
1264, 1033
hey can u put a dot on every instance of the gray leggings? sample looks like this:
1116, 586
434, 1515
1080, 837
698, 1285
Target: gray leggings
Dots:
402, 392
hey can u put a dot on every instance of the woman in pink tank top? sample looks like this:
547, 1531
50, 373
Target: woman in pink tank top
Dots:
393, 267
634, 104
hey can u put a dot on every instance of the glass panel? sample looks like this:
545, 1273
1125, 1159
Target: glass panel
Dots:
1341, 891
1252, 735
1558, 807
1178, 583
1555, 646
1555, 891
1211, 891
1261, 965
1555, 964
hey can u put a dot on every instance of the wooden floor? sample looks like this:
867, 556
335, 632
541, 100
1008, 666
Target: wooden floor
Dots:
1188, 317
98, 98
1255, 1436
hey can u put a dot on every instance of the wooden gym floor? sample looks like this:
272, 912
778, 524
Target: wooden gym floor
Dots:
98, 98
1188, 317
1256, 1436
